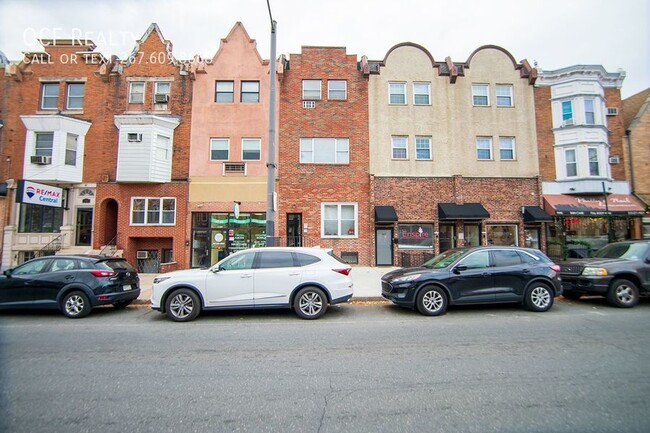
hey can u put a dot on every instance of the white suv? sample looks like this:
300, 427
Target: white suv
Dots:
305, 279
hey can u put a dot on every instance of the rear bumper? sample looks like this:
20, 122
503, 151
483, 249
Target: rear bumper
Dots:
111, 298
342, 299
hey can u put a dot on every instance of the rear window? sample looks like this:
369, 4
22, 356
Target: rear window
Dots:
331, 253
306, 259
118, 265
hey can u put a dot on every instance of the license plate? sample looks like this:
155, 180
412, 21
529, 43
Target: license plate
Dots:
126, 288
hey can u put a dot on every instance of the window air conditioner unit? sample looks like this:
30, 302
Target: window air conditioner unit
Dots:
567, 122
41, 159
161, 98
134, 137
614, 159
612, 111
140, 255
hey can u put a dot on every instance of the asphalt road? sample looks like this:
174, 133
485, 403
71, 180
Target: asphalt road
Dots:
581, 367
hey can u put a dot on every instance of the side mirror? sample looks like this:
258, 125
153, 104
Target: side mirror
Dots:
458, 269
7, 273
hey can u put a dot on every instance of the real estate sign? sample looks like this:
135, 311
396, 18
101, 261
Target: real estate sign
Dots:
38, 194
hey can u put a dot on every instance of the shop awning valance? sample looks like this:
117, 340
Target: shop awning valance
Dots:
535, 214
385, 214
467, 211
593, 205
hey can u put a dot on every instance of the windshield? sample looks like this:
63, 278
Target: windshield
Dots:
623, 251
445, 259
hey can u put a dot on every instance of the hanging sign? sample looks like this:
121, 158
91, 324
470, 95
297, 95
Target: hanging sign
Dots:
36, 193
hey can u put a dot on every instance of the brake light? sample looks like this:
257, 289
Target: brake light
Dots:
556, 268
344, 271
99, 273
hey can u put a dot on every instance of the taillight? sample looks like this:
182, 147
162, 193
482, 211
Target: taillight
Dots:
344, 271
556, 268
102, 273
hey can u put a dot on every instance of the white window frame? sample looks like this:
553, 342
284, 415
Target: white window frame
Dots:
479, 141
45, 96
213, 141
416, 93
475, 93
593, 111
567, 162
44, 151
133, 93
397, 139
331, 93
69, 98
308, 150
156, 89
249, 142
590, 151
511, 141
71, 146
145, 213
309, 94
420, 138
339, 220
401, 84
510, 96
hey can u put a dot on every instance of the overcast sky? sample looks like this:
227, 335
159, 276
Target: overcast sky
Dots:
554, 33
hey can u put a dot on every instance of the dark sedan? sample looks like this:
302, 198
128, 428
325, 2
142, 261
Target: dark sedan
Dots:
480, 275
619, 271
73, 284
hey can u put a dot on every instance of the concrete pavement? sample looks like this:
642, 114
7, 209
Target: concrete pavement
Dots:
366, 279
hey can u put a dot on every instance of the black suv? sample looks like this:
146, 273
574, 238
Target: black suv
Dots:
479, 275
74, 284
619, 271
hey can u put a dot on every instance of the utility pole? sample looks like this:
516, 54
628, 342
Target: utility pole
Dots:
270, 164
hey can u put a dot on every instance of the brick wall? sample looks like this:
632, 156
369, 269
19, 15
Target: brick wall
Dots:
545, 136
616, 135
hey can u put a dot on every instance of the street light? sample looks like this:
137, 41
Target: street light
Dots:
270, 164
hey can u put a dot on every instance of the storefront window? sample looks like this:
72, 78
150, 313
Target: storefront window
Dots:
415, 236
646, 228
472, 238
502, 235
593, 230
447, 234
531, 236
40, 219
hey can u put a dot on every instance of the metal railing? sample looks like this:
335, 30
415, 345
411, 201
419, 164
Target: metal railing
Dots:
110, 248
51, 247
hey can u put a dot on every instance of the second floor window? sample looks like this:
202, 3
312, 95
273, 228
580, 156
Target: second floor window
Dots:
421, 93
324, 150
337, 89
571, 162
590, 118
44, 144
250, 91
75, 99
50, 96
397, 93
224, 91
153, 211
219, 149
136, 93
567, 112
507, 148
161, 92
504, 95
483, 148
71, 149
311, 89
399, 147
594, 168
251, 149
480, 95
422, 147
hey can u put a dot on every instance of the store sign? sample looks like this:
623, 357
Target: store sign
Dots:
415, 236
36, 193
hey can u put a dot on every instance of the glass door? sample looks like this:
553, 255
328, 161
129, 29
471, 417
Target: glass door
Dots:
447, 237
84, 227
384, 244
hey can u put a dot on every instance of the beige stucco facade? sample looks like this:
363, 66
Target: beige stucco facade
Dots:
450, 119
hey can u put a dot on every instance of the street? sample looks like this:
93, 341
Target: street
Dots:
363, 367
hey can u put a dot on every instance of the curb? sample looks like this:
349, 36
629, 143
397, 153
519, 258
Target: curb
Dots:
353, 300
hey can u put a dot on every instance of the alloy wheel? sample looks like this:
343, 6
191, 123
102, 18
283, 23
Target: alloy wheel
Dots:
540, 297
74, 305
181, 305
310, 303
432, 301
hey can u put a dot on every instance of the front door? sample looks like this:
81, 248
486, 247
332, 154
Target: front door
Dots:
84, 227
384, 244
447, 237
232, 284
294, 229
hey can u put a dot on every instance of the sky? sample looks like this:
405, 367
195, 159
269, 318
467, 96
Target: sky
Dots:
553, 33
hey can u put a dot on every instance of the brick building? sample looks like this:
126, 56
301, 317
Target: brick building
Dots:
323, 183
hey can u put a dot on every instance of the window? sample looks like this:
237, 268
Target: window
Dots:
163, 148
337, 89
399, 147
504, 95
507, 148
75, 96
71, 149
590, 118
594, 169
571, 164
250, 91
35, 267
225, 91
162, 88
153, 211
422, 147
275, 259
306, 259
421, 93
397, 93
219, 149
484, 148
40, 219
50, 96
338, 220
506, 258
237, 263
63, 265
477, 260
567, 112
324, 150
311, 89
251, 149
502, 235
136, 92
480, 96
44, 144
415, 236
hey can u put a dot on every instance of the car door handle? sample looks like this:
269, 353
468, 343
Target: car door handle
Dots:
486, 274
246, 276
526, 271
294, 274
69, 277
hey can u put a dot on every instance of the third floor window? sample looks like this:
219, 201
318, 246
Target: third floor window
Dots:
311, 89
224, 91
504, 95
136, 92
50, 96
250, 91
480, 95
75, 100
397, 93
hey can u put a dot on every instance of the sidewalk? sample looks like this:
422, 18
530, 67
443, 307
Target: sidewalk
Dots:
366, 279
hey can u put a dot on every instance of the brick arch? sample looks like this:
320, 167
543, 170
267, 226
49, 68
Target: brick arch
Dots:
107, 221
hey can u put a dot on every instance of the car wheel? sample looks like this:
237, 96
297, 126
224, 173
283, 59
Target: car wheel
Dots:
623, 293
432, 301
310, 303
119, 305
183, 305
572, 295
538, 297
76, 305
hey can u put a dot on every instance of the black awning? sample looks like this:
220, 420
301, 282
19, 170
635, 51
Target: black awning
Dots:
467, 211
535, 214
385, 214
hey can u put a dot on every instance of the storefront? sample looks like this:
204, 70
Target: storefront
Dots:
215, 235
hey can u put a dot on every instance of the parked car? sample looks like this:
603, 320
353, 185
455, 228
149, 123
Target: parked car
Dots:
619, 271
479, 275
305, 279
74, 284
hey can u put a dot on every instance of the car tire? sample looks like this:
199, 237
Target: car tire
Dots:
310, 303
538, 298
76, 305
572, 295
432, 301
120, 305
183, 305
623, 293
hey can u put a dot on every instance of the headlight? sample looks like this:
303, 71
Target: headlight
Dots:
406, 279
158, 280
597, 272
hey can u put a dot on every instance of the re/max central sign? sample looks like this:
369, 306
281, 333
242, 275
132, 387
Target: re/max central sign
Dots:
38, 194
